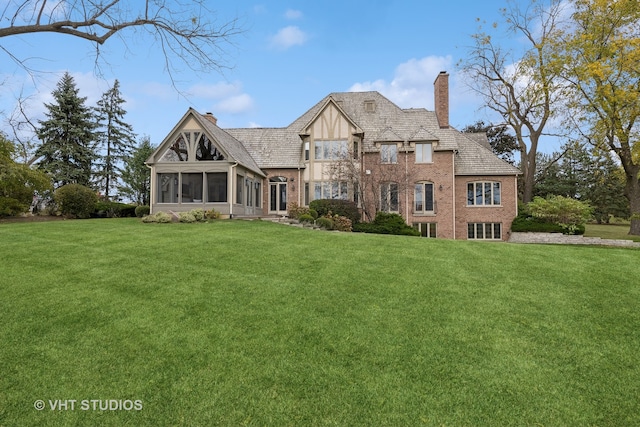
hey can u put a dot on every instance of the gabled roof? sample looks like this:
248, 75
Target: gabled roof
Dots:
473, 158
227, 144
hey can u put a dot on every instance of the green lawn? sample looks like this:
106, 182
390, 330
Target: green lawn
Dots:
253, 323
610, 231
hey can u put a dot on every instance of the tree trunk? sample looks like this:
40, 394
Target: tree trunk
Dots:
632, 191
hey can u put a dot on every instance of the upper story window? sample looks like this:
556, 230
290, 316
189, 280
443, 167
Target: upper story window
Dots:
389, 153
206, 150
177, 152
423, 153
306, 150
423, 197
370, 106
483, 193
331, 150
389, 197
195, 143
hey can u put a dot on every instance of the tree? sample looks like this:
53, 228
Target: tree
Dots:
601, 53
67, 136
115, 139
18, 182
502, 143
182, 28
523, 90
136, 176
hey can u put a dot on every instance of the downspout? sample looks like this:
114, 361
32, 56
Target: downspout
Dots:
406, 182
453, 174
232, 193
299, 190
151, 192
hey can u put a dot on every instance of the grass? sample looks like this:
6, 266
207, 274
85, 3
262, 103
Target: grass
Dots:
610, 231
253, 323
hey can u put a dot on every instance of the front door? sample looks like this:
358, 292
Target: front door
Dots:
278, 195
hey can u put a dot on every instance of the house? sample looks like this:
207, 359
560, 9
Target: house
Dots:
354, 145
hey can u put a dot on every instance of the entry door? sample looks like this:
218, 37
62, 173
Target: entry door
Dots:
249, 206
278, 197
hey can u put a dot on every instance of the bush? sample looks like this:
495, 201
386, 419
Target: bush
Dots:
570, 214
313, 213
142, 211
75, 200
296, 211
107, 209
198, 214
161, 217
324, 222
305, 218
525, 223
340, 207
387, 223
187, 217
212, 214
341, 223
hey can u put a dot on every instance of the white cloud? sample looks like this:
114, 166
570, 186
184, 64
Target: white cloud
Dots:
235, 104
288, 37
216, 90
254, 125
293, 14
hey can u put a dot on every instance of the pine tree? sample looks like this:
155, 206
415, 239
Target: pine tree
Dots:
67, 136
115, 139
136, 175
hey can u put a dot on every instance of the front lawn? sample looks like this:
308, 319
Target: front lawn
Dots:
610, 231
253, 323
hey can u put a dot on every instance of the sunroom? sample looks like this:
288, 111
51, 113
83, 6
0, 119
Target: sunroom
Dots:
201, 166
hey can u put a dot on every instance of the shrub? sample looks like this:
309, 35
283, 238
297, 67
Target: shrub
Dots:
198, 214
324, 222
313, 213
341, 223
336, 207
187, 217
569, 213
161, 217
296, 211
75, 200
212, 214
142, 211
387, 223
108, 209
305, 218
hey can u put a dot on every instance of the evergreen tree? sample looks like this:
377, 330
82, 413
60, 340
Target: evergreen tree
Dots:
116, 139
503, 144
136, 175
67, 136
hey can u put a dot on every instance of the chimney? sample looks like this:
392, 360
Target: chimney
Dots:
211, 118
441, 99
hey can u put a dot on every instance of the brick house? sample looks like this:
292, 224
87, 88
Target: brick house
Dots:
352, 145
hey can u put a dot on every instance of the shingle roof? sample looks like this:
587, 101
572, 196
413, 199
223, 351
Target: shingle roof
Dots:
381, 121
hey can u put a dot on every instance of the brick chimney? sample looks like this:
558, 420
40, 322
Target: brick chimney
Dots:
211, 118
441, 99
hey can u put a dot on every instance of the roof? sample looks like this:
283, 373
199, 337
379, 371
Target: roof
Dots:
376, 119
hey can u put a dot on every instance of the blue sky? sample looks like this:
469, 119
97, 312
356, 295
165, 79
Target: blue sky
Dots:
290, 56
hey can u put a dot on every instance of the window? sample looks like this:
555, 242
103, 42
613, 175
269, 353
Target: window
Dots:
239, 185
306, 194
258, 190
423, 198
483, 193
426, 229
331, 150
167, 188
192, 187
389, 153
206, 150
423, 153
177, 152
484, 230
370, 106
306, 150
330, 190
356, 152
216, 187
389, 197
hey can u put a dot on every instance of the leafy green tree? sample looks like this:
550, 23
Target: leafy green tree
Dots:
67, 136
116, 139
502, 143
18, 182
600, 52
567, 212
136, 176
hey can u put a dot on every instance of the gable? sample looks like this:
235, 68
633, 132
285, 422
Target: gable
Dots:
331, 122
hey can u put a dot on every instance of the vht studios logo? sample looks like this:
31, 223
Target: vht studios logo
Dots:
88, 405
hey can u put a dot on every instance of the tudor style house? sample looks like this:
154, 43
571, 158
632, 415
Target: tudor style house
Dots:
354, 145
